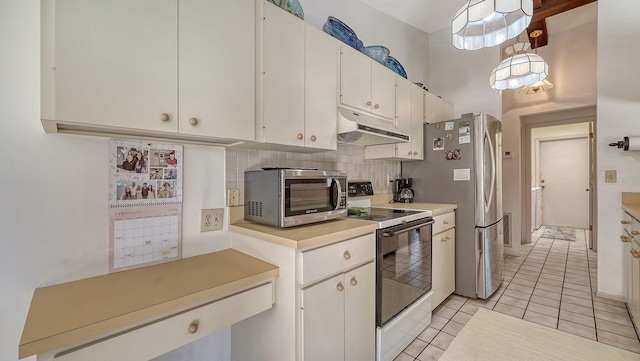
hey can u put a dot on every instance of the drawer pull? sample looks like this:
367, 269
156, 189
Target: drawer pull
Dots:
354, 281
635, 253
445, 222
624, 239
340, 287
347, 255
624, 222
164, 117
193, 121
635, 233
193, 327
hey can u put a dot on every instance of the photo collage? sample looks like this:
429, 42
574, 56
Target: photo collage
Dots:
153, 173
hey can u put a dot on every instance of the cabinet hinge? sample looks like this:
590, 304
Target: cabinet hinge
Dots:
591, 227
591, 135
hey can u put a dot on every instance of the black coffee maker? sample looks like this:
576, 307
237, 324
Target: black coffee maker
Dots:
402, 192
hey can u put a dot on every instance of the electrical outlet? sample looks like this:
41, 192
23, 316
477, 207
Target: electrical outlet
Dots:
233, 197
610, 176
211, 219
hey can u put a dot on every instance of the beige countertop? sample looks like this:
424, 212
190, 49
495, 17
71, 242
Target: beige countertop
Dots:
69, 313
308, 235
631, 204
435, 208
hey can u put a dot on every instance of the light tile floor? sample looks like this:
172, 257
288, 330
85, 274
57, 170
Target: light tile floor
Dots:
553, 283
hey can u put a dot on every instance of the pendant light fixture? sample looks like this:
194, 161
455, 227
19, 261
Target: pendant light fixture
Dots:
538, 87
519, 68
486, 23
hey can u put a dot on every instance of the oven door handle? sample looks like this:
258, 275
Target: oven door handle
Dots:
405, 230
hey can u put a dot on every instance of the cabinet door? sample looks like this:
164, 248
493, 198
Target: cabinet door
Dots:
444, 269
628, 270
635, 269
403, 115
217, 81
417, 123
359, 314
321, 89
383, 91
436, 109
283, 92
355, 79
323, 320
116, 63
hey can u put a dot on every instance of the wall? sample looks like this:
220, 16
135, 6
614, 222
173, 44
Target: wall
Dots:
347, 157
407, 44
618, 109
461, 77
54, 214
571, 56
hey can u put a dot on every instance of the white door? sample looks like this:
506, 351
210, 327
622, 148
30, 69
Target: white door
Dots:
564, 174
323, 320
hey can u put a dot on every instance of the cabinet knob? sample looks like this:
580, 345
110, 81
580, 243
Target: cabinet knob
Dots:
193, 121
193, 327
635, 253
445, 238
354, 281
340, 287
624, 239
445, 222
300, 136
376, 106
635, 233
409, 153
313, 138
369, 103
624, 222
415, 153
347, 255
164, 117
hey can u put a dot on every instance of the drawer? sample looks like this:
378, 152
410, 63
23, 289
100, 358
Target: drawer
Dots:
158, 338
444, 222
321, 262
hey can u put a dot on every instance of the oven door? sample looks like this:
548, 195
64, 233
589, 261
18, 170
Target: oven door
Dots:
403, 267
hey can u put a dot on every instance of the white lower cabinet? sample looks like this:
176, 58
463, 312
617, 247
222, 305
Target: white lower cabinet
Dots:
326, 302
444, 257
631, 239
338, 317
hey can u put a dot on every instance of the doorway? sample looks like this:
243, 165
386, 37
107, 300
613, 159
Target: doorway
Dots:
565, 198
563, 177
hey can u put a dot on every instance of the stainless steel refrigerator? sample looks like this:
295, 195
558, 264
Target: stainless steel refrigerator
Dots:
463, 165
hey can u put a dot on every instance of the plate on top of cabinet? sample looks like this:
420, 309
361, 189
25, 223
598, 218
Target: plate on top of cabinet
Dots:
292, 6
393, 64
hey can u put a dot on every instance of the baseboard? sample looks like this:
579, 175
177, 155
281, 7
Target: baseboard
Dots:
611, 297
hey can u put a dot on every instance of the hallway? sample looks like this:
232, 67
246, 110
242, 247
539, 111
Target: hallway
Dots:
553, 283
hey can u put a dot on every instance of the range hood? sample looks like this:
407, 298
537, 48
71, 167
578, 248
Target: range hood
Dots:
358, 128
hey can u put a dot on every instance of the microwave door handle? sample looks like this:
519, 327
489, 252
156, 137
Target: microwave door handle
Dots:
335, 203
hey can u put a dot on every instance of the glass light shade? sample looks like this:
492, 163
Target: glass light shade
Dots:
519, 69
485, 23
538, 87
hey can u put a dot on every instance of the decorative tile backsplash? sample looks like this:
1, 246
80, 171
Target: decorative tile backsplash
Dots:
347, 157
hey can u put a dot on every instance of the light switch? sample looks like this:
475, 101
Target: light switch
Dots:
610, 176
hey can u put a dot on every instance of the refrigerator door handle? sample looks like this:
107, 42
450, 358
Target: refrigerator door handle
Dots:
493, 170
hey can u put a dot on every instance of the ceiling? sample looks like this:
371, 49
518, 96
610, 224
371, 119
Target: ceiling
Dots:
433, 15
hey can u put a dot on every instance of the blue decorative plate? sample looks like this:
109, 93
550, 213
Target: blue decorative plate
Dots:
342, 32
292, 6
393, 64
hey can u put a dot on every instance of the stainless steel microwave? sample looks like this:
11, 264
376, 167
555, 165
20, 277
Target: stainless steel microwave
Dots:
283, 197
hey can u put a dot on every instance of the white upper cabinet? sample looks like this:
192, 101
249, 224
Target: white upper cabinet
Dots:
111, 63
321, 88
410, 120
297, 102
216, 69
161, 68
366, 85
436, 109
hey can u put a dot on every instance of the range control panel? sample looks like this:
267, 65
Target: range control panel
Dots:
360, 189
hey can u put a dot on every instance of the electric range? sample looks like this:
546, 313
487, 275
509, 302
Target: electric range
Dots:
403, 269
